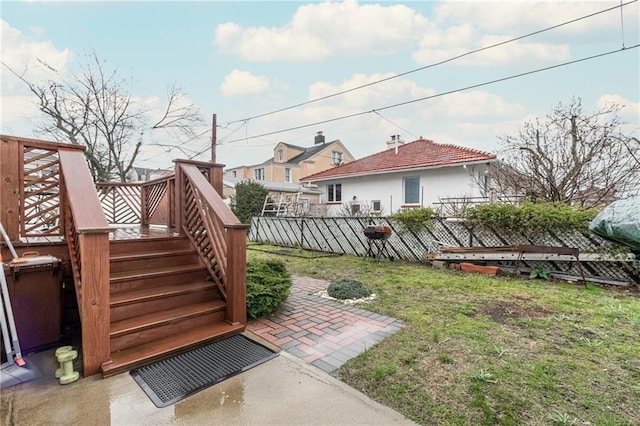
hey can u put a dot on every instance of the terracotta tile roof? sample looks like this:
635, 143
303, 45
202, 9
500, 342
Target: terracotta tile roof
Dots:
418, 154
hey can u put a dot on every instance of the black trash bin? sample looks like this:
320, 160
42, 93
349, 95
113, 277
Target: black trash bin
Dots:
35, 289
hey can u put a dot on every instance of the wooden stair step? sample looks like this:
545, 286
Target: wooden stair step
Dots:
118, 247
157, 319
149, 254
147, 353
145, 295
152, 273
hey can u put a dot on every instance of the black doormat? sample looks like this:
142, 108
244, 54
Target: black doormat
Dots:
172, 379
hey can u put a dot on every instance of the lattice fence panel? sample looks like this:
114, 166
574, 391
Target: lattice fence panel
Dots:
346, 236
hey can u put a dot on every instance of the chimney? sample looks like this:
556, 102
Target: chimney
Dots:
318, 139
394, 142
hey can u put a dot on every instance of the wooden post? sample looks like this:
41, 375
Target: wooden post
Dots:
178, 198
10, 187
144, 214
217, 178
236, 274
93, 238
95, 301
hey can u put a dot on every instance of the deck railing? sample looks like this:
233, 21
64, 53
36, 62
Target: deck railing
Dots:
140, 203
214, 230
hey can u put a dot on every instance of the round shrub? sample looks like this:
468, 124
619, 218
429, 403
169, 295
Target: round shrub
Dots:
346, 288
268, 285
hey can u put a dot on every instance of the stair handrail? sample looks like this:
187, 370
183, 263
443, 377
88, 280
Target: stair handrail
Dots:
87, 236
216, 233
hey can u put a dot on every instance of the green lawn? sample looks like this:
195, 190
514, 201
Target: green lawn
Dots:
480, 350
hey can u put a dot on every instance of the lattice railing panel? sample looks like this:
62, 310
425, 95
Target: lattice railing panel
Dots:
40, 209
157, 200
207, 234
121, 203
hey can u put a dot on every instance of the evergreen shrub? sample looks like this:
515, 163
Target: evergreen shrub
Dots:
268, 285
346, 288
531, 218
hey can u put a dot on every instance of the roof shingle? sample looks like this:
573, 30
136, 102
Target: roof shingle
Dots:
418, 154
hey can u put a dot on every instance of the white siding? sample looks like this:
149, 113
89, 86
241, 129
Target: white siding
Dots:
388, 188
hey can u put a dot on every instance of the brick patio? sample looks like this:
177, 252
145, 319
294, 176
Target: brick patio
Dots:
320, 331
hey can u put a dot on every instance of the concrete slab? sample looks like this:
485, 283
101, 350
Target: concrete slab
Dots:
282, 391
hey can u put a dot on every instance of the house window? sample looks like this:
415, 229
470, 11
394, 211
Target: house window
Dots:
287, 175
485, 184
280, 155
411, 189
355, 209
334, 193
336, 158
376, 205
258, 174
234, 173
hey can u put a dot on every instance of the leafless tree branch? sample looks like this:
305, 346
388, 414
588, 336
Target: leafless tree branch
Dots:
572, 156
95, 108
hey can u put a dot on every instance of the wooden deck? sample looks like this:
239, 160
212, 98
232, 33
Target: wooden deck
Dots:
156, 266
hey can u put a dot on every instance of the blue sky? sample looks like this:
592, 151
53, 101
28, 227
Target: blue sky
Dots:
242, 59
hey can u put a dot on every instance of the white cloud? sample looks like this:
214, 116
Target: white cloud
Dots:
22, 52
472, 105
461, 27
320, 30
375, 96
519, 17
18, 114
628, 107
441, 45
317, 31
239, 83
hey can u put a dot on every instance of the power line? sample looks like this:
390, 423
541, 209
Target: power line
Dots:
399, 127
474, 86
471, 52
207, 148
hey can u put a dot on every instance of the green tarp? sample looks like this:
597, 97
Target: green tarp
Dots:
619, 222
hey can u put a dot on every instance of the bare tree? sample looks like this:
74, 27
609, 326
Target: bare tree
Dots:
95, 108
357, 209
572, 156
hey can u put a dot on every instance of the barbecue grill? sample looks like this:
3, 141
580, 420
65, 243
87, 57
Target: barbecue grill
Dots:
377, 232
377, 235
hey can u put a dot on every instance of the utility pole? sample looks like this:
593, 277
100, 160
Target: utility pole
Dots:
214, 126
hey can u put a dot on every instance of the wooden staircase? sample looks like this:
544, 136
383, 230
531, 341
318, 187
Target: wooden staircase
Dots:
161, 302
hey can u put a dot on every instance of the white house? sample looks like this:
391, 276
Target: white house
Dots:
408, 175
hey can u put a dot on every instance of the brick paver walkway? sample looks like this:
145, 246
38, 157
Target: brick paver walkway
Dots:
322, 332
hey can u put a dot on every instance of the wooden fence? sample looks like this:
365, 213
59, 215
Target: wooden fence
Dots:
344, 235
